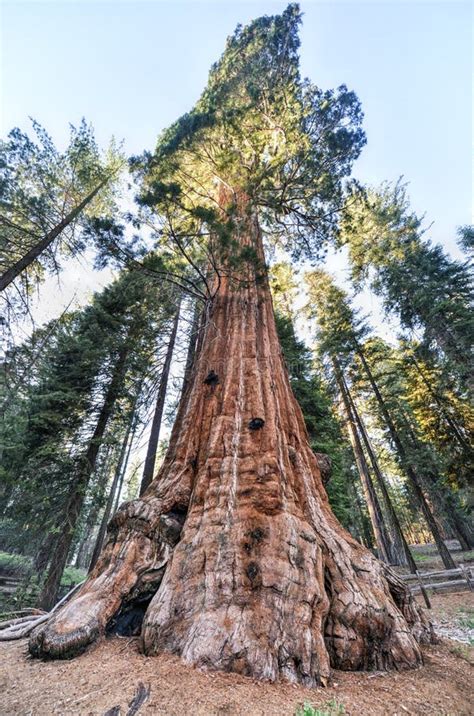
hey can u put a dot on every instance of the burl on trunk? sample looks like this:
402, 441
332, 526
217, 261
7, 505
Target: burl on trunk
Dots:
234, 542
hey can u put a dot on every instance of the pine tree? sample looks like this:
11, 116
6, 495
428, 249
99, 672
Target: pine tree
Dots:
417, 280
45, 197
342, 335
444, 416
83, 378
324, 430
429, 463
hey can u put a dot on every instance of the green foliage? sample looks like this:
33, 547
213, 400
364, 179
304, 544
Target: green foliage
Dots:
323, 428
444, 416
330, 708
467, 622
260, 142
466, 238
14, 564
417, 280
343, 337
72, 576
422, 557
51, 411
40, 186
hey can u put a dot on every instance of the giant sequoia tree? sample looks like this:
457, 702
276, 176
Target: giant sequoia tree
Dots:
233, 549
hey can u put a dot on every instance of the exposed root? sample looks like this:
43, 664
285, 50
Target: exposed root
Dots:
131, 566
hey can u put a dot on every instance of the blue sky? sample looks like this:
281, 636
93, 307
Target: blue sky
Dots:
131, 68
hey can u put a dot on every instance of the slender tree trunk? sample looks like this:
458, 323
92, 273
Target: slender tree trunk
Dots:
112, 493
461, 529
93, 512
443, 503
410, 470
31, 255
192, 345
149, 467
125, 464
235, 540
366, 536
79, 485
400, 551
375, 511
41, 559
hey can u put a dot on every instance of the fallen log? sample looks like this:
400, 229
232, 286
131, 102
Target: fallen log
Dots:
20, 630
441, 586
432, 575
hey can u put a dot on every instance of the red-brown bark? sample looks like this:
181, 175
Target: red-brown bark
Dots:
251, 570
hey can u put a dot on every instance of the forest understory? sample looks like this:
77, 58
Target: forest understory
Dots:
109, 674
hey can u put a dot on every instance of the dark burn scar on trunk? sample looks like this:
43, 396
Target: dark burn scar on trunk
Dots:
256, 423
252, 571
211, 379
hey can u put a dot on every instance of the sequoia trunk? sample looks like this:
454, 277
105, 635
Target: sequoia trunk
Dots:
249, 568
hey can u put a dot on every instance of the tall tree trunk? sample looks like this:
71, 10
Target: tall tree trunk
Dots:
192, 345
409, 469
400, 551
112, 492
375, 511
455, 521
365, 533
90, 522
149, 467
79, 484
41, 559
31, 255
125, 463
249, 568
443, 501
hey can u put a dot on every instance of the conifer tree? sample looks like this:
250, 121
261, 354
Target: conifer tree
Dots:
84, 373
416, 279
444, 417
341, 335
234, 542
46, 197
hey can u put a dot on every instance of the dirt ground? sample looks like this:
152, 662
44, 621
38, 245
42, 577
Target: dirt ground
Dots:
109, 675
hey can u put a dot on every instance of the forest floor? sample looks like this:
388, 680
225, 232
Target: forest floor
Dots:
109, 674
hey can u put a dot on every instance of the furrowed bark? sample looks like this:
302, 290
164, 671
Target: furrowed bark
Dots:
250, 570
